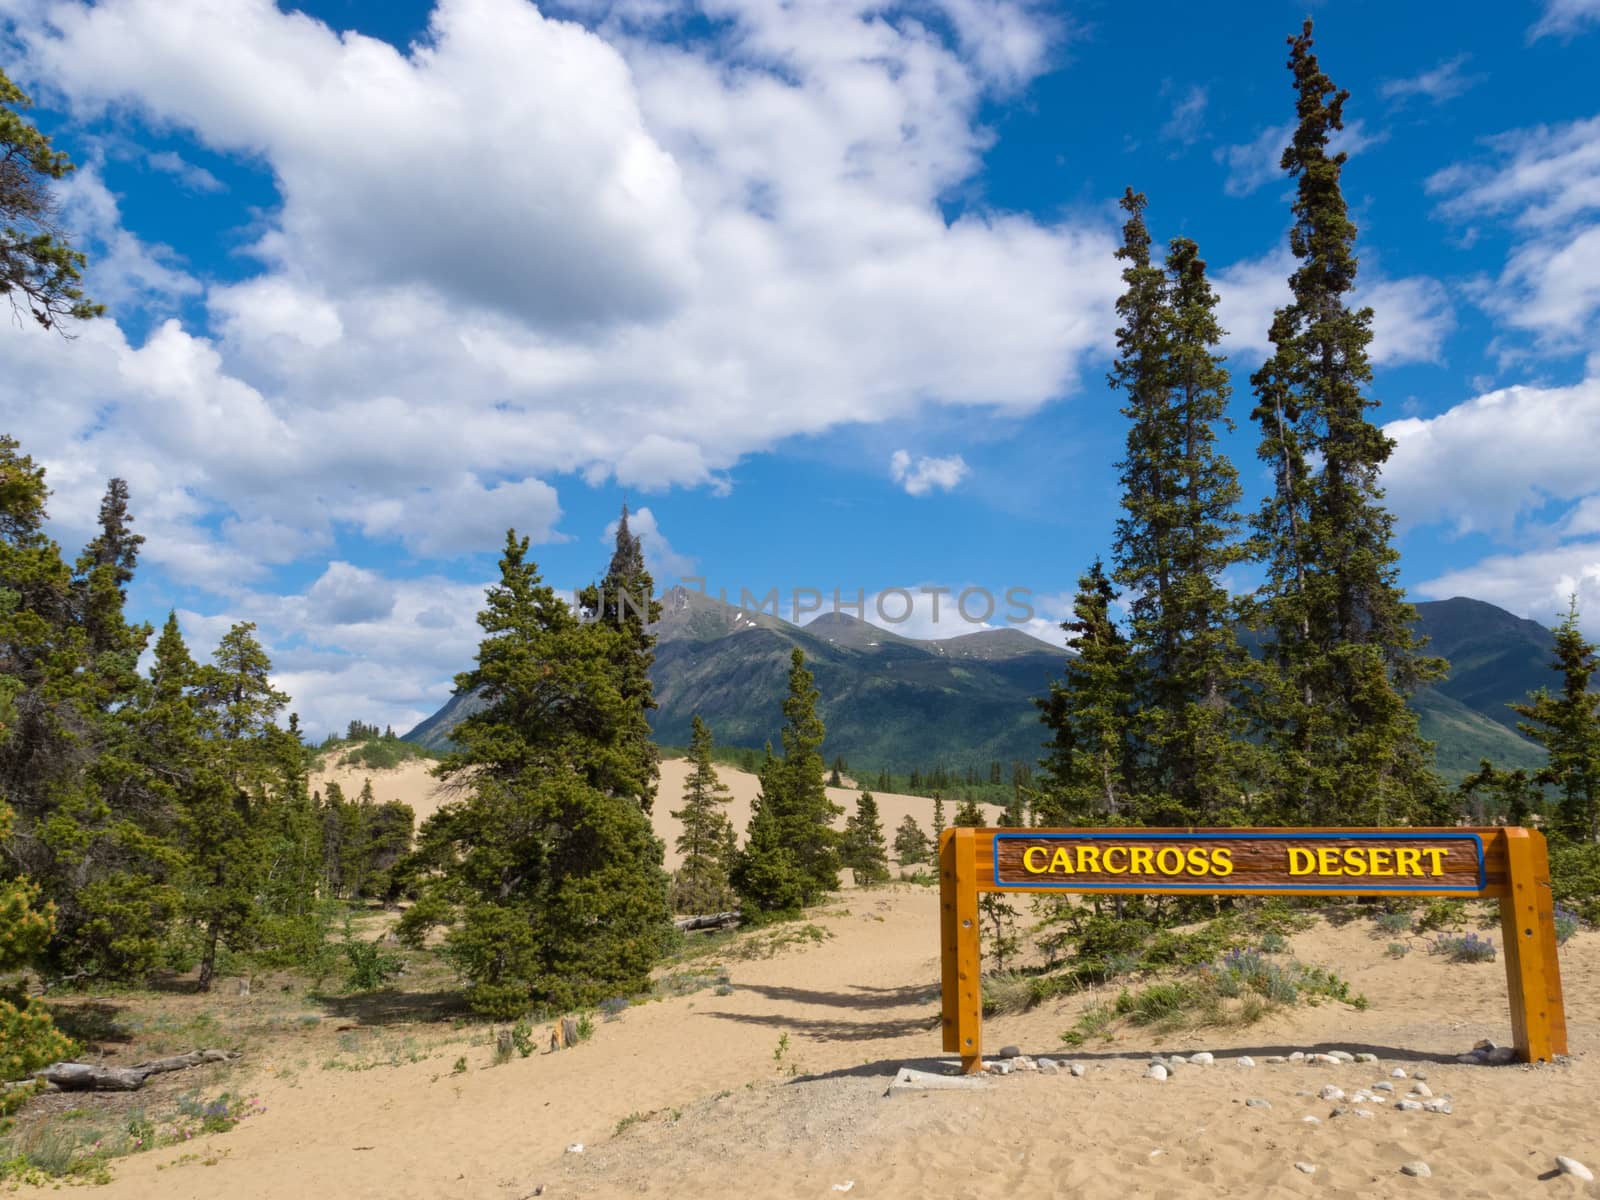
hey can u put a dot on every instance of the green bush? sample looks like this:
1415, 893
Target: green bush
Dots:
1575, 878
370, 966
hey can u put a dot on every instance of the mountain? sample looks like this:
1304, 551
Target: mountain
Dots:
893, 702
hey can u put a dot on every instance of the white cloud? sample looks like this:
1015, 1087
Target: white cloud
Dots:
124, 271
1187, 116
191, 176
1411, 316
1491, 461
922, 475
1254, 164
1563, 18
1444, 82
350, 595
1546, 180
1535, 584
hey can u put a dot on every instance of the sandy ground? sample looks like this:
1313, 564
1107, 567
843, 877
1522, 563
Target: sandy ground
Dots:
412, 784
776, 1089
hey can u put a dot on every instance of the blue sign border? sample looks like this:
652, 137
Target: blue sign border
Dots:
1183, 836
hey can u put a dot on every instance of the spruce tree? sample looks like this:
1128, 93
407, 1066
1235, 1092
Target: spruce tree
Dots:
28, 1039
1087, 774
969, 814
701, 883
766, 874
863, 848
547, 870
910, 843
1177, 536
1341, 650
1567, 725
800, 800
938, 817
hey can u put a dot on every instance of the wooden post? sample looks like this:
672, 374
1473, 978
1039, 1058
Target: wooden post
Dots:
1533, 974
961, 984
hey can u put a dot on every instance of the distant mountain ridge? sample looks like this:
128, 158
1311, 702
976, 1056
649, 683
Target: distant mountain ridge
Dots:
893, 703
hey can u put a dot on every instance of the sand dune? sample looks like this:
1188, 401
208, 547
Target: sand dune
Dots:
413, 784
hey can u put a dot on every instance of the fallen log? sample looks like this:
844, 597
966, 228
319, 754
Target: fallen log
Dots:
707, 921
96, 1077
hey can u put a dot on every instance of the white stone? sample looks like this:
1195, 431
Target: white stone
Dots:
1436, 1106
1341, 1055
1155, 1071
1384, 1086
1276, 1058
1246, 1061
1421, 1091
1409, 1105
1306, 1168
575, 1148
1397, 1073
999, 1068
1312, 1120
1257, 1102
1418, 1168
1363, 1112
1077, 1069
1204, 1059
1329, 1092
1571, 1166
1297, 1056
1176, 1060
1366, 1058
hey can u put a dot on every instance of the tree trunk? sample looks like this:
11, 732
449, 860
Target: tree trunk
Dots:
208, 961
93, 1077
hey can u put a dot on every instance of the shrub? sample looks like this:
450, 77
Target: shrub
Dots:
1274, 943
1394, 922
1440, 913
1398, 949
1567, 924
1468, 947
370, 965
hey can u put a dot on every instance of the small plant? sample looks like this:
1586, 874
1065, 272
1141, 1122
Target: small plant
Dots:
1274, 943
781, 1049
628, 1122
1394, 922
522, 1037
585, 1027
461, 1066
1567, 924
1399, 949
1440, 914
1468, 947
613, 1007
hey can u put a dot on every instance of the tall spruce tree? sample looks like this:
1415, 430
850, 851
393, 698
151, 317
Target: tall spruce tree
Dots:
701, 883
938, 817
1177, 535
1341, 648
863, 848
547, 870
1567, 725
910, 843
1088, 773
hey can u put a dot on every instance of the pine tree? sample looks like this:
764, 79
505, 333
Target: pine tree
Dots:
793, 792
1177, 536
910, 843
547, 870
765, 874
863, 848
969, 814
1491, 796
701, 883
1567, 725
938, 817
1088, 773
28, 1039
1341, 651
624, 603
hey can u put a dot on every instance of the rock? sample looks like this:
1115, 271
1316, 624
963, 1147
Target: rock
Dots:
1246, 1061
1341, 1055
1436, 1106
1204, 1059
1418, 1073
1312, 1120
1276, 1058
1409, 1105
1340, 1111
1362, 1112
1484, 1044
1077, 1069
1297, 1057
1421, 1091
575, 1148
1155, 1071
1383, 1086
1469, 1060
1366, 1058
1049, 1066
1398, 1073
1330, 1092
911, 1080
1257, 1102
1023, 1063
1176, 1060
1500, 1056
1571, 1166
999, 1068
1009, 1051
1324, 1060
1418, 1168
1306, 1168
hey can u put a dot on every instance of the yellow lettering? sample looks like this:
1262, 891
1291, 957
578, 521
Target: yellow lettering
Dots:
1355, 860
1061, 861
1300, 861
1199, 860
1027, 860
1327, 861
1408, 861
1222, 861
1170, 866
1089, 858
1380, 861
1110, 850
1141, 856
1438, 861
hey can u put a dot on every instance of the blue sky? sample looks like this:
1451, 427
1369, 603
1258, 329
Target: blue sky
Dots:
824, 289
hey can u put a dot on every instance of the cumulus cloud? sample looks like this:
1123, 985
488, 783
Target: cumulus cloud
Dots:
1411, 316
667, 567
919, 476
1536, 584
349, 595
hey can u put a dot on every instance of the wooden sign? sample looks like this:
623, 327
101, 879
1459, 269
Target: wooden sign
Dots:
1252, 862
1507, 864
